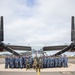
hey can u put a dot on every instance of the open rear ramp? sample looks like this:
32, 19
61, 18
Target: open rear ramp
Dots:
64, 50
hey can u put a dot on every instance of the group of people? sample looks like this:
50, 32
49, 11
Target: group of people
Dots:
41, 62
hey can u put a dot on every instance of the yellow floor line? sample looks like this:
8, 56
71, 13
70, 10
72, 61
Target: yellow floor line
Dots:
38, 72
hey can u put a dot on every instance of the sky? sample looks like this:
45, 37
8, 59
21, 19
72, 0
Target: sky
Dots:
37, 22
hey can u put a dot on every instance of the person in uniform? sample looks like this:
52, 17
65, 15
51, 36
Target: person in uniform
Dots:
56, 62
20, 62
48, 62
40, 63
30, 62
37, 59
27, 64
60, 61
11, 62
52, 61
16, 62
34, 64
65, 61
7, 62
24, 61
41, 60
44, 62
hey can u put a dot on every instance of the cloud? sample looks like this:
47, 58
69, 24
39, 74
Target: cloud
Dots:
37, 22
31, 3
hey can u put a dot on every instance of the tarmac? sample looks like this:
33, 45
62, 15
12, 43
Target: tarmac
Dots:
70, 70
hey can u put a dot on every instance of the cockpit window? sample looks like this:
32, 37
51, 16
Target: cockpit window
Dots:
40, 52
34, 52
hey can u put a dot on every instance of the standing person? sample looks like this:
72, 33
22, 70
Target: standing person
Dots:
27, 64
7, 62
52, 61
41, 60
48, 62
60, 61
20, 62
11, 62
40, 63
44, 62
37, 59
13, 65
16, 62
24, 61
30, 62
56, 61
65, 61
35, 64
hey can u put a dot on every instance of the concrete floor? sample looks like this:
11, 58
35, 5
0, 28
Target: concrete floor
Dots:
35, 73
49, 71
71, 67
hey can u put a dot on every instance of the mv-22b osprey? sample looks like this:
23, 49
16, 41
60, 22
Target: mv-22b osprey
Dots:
62, 48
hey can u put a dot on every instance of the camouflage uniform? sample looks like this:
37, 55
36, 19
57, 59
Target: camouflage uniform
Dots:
40, 63
27, 64
34, 64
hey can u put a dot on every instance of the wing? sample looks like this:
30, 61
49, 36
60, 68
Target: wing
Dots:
21, 48
16, 47
51, 48
11, 48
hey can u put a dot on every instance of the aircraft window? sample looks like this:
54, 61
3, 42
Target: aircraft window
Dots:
40, 52
34, 52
